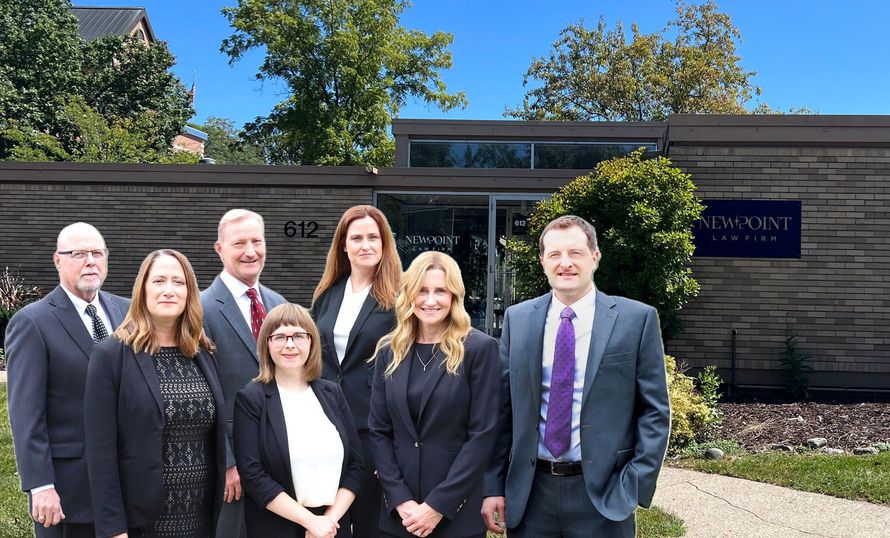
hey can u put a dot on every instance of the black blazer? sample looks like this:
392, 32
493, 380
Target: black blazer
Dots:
441, 462
124, 423
47, 351
355, 374
263, 456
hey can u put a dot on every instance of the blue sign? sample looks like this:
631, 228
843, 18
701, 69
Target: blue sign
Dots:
748, 229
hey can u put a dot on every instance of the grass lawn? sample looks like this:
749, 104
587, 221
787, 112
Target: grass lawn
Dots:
14, 520
861, 478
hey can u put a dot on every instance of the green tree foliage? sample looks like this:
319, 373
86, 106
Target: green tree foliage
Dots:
643, 211
224, 146
349, 67
109, 100
40, 62
127, 81
600, 74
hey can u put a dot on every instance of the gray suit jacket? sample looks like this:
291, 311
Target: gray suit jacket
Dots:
47, 351
625, 410
235, 354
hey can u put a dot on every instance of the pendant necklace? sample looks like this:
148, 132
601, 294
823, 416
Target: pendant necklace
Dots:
427, 363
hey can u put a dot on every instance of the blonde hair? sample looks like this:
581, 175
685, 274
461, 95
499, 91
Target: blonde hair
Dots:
281, 315
386, 279
403, 337
138, 330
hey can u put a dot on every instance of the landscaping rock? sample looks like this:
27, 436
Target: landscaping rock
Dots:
865, 450
828, 450
782, 447
713, 454
817, 442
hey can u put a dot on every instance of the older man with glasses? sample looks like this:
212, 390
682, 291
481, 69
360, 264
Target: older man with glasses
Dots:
48, 344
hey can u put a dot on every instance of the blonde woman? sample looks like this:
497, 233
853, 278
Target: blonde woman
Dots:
155, 431
433, 407
297, 450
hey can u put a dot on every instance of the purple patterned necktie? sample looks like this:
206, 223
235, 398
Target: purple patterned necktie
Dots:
558, 426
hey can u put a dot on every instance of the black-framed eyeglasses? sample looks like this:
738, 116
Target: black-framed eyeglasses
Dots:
81, 255
298, 337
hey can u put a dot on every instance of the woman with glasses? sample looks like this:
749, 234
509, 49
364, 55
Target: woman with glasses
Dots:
298, 453
353, 306
155, 431
434, 407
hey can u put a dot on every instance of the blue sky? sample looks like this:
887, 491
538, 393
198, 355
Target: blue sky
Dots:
830, 56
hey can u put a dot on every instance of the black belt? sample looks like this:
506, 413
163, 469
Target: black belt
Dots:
559, 468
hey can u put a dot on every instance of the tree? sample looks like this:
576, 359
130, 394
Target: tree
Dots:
224, 146
598, 74
643, 211
130, 83
39, 67
349, 67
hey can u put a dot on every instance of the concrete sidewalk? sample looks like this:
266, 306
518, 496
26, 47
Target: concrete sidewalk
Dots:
719, 506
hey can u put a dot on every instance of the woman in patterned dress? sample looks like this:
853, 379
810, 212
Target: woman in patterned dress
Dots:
154, 437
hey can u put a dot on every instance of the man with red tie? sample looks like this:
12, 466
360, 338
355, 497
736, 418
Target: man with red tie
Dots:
234, 308
585, 415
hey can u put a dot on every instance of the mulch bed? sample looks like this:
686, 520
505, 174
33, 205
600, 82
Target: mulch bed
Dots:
846, 423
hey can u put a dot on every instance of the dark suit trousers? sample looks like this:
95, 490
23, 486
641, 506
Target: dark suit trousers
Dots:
558, 506
65, 530
365, 511
231, 517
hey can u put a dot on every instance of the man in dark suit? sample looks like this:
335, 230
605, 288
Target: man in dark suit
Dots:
585, 418
234, 308
48, 345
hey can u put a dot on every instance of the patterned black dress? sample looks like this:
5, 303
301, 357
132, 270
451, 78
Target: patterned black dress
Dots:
189, 432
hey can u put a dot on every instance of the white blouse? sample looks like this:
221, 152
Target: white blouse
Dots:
349, 309
316, 451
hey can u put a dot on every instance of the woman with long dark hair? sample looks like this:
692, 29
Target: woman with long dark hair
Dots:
353, 307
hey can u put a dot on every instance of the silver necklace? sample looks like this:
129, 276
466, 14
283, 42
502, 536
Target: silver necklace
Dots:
427, 363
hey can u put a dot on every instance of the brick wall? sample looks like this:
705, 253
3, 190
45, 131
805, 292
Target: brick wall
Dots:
836, 297
138, 219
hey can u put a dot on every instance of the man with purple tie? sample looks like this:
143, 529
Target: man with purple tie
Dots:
585, 416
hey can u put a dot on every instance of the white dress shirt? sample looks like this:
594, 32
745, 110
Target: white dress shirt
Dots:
238, 290
81, 306
584, 309
349, 309
316, 450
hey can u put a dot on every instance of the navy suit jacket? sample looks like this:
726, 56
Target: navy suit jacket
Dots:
441, 460
47, 352
124, 420
355, 374
264, 458
235, 352
625, 411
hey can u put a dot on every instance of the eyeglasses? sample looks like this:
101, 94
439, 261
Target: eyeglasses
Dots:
281, 339
81, 255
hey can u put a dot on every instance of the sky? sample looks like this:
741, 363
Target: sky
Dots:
829, 56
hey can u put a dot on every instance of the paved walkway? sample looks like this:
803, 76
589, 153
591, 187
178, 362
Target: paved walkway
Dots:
714, 506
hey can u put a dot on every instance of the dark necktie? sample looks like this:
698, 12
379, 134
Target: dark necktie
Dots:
257, 312
99, 331
558, 426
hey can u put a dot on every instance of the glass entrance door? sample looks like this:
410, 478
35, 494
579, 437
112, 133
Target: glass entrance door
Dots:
471, 228
509, 220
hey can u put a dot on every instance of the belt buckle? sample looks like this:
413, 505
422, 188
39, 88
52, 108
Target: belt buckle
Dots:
553, 470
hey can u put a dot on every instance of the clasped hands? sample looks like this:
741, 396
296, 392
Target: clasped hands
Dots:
418, 519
